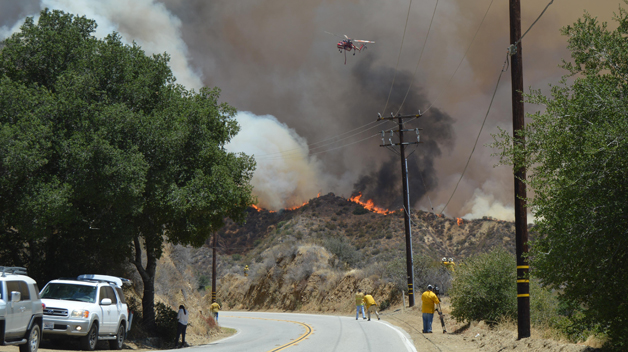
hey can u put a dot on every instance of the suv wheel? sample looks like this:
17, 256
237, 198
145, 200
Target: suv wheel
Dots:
88, 342
32, 343
119, 341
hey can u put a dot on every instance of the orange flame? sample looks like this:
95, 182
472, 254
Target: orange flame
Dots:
460, 221
369, 205
296, 207
261, 209
304, 203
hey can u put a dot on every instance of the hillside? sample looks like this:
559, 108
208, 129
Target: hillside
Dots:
313, 257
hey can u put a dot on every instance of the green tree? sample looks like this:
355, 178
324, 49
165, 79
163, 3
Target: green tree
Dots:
576, 150
103, 156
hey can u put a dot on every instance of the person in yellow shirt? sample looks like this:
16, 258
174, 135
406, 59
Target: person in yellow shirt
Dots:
371, 306
359, 304
429, 299
215, 307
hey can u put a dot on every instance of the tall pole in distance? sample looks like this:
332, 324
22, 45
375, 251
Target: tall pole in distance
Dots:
214, 245
521, 221
406, 215
406, 196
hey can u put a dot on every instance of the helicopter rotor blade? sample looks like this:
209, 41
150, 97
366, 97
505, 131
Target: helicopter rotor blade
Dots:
364, 41
336, 35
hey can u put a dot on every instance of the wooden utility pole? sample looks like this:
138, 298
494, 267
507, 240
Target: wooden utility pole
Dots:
406, 194
214, 245
521, 221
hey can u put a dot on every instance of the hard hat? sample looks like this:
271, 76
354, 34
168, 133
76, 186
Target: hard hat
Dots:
429, 287
444, 259
451, 259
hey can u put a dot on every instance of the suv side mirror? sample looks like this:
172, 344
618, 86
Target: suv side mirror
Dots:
16, 296
105, 302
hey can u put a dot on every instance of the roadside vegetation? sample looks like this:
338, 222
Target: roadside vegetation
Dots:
575, 152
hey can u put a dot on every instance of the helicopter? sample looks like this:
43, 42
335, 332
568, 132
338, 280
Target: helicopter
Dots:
347, 44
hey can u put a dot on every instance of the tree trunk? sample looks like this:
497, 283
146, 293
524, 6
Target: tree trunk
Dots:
148, 278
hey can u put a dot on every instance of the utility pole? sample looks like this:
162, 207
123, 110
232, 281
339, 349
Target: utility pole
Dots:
406, 193
214, 245
521, 221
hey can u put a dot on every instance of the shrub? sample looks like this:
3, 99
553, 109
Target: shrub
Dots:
485, 288
165, 322
343, 249
360, 210
203, 281
236, 257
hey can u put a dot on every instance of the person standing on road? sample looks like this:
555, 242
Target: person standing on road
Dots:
359, 304
182, 325
215, 307
371, 306
429, 299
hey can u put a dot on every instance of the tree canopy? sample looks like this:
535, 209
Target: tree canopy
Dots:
576, 150
103, 155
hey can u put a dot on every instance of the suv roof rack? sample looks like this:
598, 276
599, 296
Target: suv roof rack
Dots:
117, 281
16, 270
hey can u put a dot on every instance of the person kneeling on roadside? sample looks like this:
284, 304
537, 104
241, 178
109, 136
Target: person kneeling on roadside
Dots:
429, 299
182, 325
371, 306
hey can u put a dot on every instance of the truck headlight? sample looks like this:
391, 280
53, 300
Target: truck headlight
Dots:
80, 314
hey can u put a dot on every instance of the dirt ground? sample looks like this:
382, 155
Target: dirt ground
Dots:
470, 337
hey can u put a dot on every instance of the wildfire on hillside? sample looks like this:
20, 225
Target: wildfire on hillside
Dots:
289, 209
260, 208
370, 205
460, 221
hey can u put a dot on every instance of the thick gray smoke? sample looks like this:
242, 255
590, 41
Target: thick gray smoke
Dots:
272, 59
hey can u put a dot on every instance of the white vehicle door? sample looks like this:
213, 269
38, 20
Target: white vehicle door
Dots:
14, 324
27, 303
109, 312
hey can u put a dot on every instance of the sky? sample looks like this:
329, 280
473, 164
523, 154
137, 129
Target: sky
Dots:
310, 119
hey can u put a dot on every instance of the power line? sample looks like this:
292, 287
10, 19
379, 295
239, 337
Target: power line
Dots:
398, 57
533, 23
463, 56
511, 51
298, 155
296, 151
420, 56
504, 69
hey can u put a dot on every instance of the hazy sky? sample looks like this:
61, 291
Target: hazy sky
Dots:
298, 100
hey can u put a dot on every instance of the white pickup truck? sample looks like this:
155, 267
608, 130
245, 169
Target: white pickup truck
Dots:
91, 308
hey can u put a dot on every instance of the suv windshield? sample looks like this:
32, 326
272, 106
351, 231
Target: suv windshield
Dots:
70, 292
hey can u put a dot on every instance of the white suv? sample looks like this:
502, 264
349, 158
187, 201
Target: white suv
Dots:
90, 307
20, 310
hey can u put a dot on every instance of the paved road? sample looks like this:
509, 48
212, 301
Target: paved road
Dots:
272, 332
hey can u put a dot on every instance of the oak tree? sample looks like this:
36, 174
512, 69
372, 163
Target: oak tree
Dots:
103, 156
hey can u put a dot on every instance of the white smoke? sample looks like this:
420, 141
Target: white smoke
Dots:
485, 204
285, 175
146, 22
6, 31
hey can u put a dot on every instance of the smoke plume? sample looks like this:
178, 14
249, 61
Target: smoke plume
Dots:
273, 59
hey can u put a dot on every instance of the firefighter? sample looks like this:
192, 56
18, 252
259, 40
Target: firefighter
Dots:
214, 308
429, 300
359, 304
371, 305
